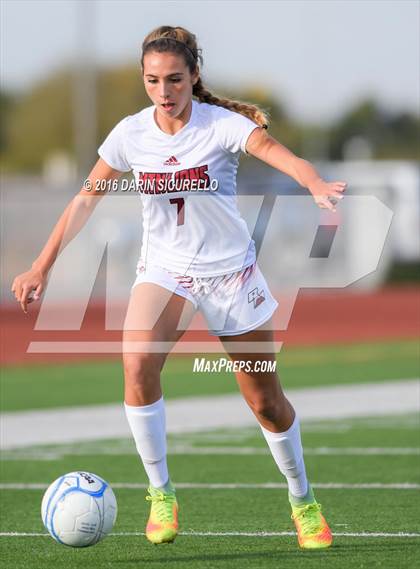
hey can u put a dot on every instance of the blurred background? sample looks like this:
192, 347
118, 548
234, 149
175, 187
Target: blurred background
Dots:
339, 79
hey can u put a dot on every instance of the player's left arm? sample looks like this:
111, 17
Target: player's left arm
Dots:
269, 150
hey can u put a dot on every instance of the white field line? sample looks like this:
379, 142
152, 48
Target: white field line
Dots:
234, 486
194, 414
180, 449
231, 534
308, 451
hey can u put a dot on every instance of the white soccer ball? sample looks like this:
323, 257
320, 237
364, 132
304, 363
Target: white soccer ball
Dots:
79, 509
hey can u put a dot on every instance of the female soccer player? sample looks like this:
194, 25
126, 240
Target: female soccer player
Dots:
196, 254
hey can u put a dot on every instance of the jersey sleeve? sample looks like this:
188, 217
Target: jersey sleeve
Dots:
233, 129
112, 150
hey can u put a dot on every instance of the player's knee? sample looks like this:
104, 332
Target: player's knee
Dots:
142, 368
266, 408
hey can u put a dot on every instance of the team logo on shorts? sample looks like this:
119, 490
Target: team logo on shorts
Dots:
256, 297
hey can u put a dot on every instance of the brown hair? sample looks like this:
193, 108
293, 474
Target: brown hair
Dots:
180, 41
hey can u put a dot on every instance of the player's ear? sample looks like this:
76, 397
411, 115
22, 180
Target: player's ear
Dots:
195, 76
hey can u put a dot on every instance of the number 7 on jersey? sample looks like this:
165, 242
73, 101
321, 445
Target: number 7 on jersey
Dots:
179, 202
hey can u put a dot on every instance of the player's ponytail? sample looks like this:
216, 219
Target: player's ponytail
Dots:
181, 41
253, 112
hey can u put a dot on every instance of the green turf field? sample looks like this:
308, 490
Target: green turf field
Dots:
380, 451
94, 383
366, 473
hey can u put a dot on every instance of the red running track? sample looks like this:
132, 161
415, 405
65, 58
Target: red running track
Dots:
318, 318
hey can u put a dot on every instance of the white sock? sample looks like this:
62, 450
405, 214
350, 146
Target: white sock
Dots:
148, 426
287, 451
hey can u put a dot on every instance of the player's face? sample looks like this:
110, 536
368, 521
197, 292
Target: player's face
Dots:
168, 83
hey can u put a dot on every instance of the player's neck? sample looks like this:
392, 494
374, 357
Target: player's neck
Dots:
172, 125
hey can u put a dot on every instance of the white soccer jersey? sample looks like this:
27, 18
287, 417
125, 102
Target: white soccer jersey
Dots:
187, 183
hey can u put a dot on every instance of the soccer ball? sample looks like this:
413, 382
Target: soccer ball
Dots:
79, 509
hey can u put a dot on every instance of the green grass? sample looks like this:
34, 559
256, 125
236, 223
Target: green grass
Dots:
44, 386
225, 510
220, 553
229, 510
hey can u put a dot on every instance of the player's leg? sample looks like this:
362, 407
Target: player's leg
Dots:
263, 393
155, 320
280, 426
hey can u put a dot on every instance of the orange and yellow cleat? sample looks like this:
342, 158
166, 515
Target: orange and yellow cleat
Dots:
312, 529
162, 526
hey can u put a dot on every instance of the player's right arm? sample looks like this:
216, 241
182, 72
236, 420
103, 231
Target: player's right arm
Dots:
68, 226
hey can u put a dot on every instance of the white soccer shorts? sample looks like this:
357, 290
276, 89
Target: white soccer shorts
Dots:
231, 304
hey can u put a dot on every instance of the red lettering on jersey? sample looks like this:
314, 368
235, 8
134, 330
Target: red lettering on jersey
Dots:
204, 175
168, 182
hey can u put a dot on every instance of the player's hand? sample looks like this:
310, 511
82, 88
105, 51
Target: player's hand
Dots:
327, 194
28, 287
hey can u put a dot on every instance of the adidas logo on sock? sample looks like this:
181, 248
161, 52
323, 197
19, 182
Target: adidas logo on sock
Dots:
171, 161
